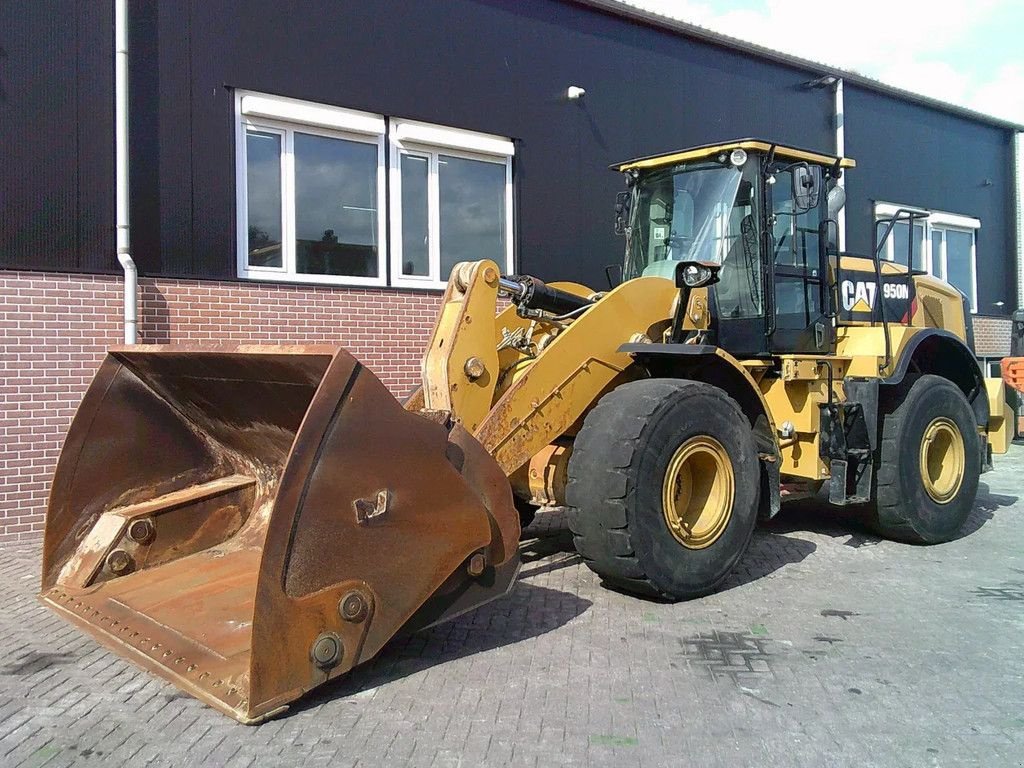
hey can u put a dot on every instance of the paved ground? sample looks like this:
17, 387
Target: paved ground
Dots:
828, 648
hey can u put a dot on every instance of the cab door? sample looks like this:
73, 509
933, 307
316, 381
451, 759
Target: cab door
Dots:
738, 296
799, 323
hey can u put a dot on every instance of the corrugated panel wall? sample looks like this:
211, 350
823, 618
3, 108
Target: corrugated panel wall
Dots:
1018, 157
56, 174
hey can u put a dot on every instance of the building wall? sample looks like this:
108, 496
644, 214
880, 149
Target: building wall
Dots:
56, 328
921, 157
494, 66
57, 135
485, 65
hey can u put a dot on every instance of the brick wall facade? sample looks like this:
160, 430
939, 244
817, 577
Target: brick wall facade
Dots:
992, 336
56, 328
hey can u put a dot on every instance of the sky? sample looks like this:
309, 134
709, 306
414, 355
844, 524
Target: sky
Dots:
966, 53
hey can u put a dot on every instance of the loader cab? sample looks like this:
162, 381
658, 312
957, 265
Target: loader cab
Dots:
758, 210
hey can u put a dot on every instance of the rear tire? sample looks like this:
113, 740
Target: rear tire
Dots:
657, 454
929, 464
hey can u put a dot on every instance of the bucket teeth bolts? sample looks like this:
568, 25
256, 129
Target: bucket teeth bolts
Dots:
476, 565
326, 651
142, 531
119, 562
353, 607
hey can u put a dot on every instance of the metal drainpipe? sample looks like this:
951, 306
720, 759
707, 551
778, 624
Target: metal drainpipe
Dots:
1018, 186
840, 120
124, 256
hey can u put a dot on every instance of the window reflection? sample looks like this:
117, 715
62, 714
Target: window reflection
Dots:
958, 260
263, 184
473, 222
335, 206
415, 228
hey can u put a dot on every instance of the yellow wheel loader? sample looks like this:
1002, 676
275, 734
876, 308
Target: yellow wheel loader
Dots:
250, 522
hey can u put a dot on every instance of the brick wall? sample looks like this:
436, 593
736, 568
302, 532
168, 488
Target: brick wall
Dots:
55, 329
992, 336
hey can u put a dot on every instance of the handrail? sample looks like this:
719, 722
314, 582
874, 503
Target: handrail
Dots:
910, 216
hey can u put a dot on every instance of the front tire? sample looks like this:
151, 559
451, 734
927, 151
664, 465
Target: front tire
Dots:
663, 487
929, 464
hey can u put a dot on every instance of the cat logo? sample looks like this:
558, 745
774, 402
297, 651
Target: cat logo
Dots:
859, 296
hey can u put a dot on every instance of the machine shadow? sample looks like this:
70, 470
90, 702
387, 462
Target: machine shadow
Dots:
548, 546
527, 611
769, 552
985, 506
531, 610
816, 515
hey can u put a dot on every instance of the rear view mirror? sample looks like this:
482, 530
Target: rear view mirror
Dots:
622, 205
806, 187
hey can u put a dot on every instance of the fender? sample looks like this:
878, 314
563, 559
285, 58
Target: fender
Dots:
711, 364
936, 351
750, 399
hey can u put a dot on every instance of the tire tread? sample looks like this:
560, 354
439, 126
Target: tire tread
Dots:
598, 515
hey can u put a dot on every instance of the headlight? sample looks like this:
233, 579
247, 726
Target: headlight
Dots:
738, 157
696, 274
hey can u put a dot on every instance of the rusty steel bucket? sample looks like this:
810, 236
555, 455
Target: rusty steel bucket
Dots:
250, 522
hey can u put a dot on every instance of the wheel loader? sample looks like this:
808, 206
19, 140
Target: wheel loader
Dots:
251, 522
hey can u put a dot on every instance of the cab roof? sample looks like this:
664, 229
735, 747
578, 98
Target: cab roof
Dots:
750, 145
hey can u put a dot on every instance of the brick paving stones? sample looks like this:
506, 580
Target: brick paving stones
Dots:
828, 647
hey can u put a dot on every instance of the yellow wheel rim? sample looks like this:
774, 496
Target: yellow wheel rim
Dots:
698, 491
942, 460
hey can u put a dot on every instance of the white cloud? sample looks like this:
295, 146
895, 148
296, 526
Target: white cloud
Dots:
1004, 94
901, 42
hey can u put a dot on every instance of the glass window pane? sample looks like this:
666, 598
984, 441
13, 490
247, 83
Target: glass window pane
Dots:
472, 211
919, 246
263, 193
335, 206
796, 301
900, 244
958, 259
937, 269
880, 227
415, 228
739, 282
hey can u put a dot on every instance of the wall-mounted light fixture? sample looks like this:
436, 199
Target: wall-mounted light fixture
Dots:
575, 93
825, 81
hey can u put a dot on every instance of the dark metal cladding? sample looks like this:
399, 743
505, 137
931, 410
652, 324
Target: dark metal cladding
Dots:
249, 522
487, 65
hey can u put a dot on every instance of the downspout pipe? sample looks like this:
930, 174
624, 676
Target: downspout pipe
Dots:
124, 256
840, 125
1018, 194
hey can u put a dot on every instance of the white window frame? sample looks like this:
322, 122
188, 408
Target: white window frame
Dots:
936, 221
431, 141
283, 116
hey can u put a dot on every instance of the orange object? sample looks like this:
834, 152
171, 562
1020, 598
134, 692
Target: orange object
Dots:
1013, 372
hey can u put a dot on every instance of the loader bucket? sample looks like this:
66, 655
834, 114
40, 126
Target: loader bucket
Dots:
250, 522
